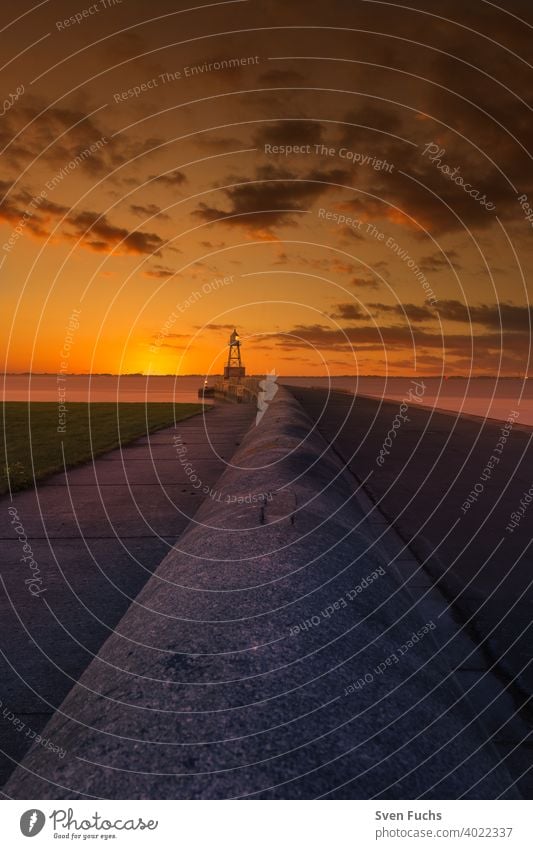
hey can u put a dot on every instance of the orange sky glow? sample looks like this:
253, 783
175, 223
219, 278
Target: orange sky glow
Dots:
168, 177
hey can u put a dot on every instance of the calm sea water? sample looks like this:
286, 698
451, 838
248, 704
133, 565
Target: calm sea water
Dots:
493, 399
44, 387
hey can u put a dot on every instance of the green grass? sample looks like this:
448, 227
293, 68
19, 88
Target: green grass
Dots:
29, 432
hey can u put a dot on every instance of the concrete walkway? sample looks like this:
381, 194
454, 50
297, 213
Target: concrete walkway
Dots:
434, 463
96, 534
274, 655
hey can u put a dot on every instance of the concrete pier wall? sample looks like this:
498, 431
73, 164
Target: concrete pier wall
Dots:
271, 655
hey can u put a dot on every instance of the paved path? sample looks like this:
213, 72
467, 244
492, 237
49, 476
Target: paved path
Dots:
275, 655
96, 533
434, 463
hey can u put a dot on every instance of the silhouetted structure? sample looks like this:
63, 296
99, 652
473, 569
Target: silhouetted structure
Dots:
234, 369
206, 391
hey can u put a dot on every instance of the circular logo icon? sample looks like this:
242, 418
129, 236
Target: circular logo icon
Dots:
32, 822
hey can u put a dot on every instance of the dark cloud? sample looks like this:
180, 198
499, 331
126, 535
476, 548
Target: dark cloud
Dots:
96, 233
289, 132
350, 233
508, 316
439, 262
69, 140
57, 136
281, 77
364, 283
350, 312
29, 214
129, 149
160, 272
212, 245
389, 339
454, 311
172, 180
219, 143
360, 125
229, 327
382, 266
422, 200
332, 264
413, 312
272, 198
148, 211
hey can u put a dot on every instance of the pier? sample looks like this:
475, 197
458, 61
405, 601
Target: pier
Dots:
288, 645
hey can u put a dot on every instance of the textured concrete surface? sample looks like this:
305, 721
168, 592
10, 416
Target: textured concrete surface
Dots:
435, 462
272, 657
96, 533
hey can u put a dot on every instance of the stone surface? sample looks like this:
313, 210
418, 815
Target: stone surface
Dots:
234, 674
434, 463
96, 532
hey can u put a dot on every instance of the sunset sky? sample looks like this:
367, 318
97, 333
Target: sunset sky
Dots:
149, 204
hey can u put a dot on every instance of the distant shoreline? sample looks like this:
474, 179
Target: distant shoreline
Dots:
483, 397
443, 411
284, 376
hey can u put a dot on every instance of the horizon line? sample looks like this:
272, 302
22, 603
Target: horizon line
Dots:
260, 374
